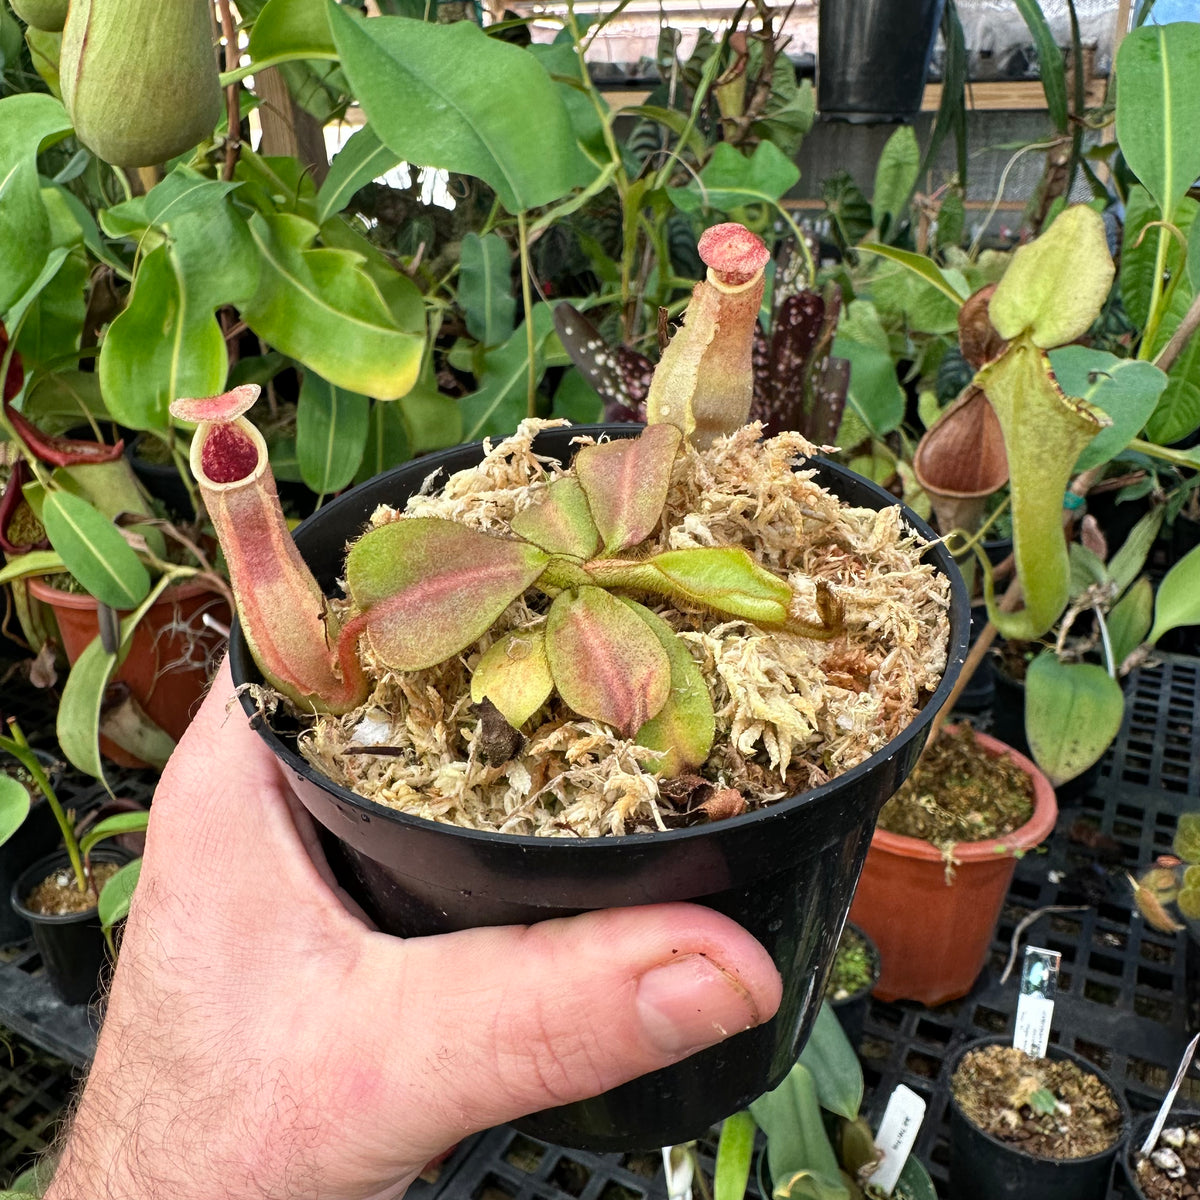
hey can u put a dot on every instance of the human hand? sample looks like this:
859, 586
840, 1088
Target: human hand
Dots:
261, 1041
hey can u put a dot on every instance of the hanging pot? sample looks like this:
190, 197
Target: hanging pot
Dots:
786, 872
167, 667
873, 56
934, 932
984, 1168
72, 946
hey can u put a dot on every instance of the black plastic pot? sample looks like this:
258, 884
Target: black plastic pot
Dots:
851, 1011
1138, 1132
872, 57
980, 691
786, 873
36, 838
72, 947
161, 480
984, 1168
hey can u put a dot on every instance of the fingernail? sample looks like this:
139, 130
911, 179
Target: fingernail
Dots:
689, 1003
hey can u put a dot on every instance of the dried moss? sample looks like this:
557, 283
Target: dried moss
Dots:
791, 712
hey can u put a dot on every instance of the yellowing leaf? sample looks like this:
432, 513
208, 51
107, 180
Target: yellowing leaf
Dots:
514, 674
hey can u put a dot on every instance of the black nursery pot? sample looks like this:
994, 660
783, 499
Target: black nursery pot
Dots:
786, 873
1138, 1131
984, 1168
161, 480
872, 57
36, 838
851, 1011
72, 947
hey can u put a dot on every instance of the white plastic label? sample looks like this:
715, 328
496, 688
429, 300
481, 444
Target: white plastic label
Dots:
897, 1135
1035, 1004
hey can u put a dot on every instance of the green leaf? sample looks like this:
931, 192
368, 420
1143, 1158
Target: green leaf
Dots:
895, 178
14, 806
363, 158
1178, 411
1051, 67
78, 722
320, 307
429, 587
1193, 253
500, 404
287, 29
94, 551
450, 96
1130, 620
830, 1057
28, 122
735, 1155
117, 894
875, 394
924, 268
36, 562
1139, 251
914, 1182
388, 440
1127, 389
168, 342
790, 1116
160, 348
485, 288
561, 62
1158, 109
607, 664
434, 421
1056, 285
115, 826
1072, 713
54, 321
560, 522
332, 426
1126, 564
626, 481
684, 728
576, 399
400, 294
1178, 599
1045, 431
731, 179
514, 674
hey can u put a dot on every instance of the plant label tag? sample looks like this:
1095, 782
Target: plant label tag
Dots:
1035, 1004
897, 1135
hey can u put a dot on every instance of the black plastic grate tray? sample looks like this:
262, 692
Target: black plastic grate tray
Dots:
1122, 1001
34, 1090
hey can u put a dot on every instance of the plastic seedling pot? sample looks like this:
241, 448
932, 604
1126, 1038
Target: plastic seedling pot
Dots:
72, 946
1182, 1116
985, 1168
37, 837
851, 1011
786, 872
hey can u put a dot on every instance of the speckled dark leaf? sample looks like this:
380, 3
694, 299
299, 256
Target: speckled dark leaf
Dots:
796, 330
620, 376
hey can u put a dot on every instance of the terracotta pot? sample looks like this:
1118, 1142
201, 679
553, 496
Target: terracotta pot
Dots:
167, 668
933, 935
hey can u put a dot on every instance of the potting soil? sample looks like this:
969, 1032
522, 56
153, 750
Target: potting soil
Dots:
1172, 1170
58, 893
959, 792
791, 712
1048, 1108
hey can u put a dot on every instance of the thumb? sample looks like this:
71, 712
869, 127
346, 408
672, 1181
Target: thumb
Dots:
524, 1018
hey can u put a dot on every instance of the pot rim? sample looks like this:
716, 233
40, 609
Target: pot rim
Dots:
46, 865
1053, 1050
1032, 833
1187, 1114
956, 650
42, 589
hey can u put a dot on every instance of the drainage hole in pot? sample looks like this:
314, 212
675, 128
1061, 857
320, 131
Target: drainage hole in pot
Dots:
644, 1164
990, 1020
927, 1031
571, 1176
524, 1154
922, 1064
618, 1191
494, 1188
